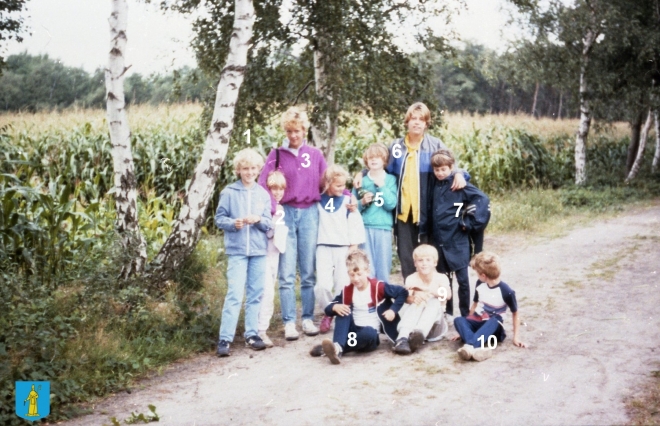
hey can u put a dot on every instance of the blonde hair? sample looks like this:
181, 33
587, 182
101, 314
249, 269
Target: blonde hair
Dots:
333, 172
442, 157
376, 150
247, 157
357, 260
420, 108
487, 263
294, 117
276, 179
425, 250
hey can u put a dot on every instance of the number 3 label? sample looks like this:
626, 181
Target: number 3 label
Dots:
307, 163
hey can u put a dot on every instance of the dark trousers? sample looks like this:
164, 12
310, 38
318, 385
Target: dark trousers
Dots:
471, 330
463, 285
366, 338
407, 235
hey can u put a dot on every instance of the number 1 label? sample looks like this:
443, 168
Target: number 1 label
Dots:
247, 133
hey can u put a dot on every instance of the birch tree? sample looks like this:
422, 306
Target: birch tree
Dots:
656, 156
185, 233
642, 145
125, 191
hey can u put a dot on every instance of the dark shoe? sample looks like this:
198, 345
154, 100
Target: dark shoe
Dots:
317, 350
416, 340
401, 346
255, 343
326, 324
330, 349
223, 348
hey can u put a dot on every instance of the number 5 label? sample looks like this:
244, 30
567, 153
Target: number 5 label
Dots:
377, 198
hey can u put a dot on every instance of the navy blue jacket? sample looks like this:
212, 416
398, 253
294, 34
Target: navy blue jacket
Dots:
449, 233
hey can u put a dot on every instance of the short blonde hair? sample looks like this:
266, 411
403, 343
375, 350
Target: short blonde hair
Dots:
376, 150
294, 117
333, 172
426, 250
442, 157
418, 108
357, 259
276, 179
247, 157
487, 263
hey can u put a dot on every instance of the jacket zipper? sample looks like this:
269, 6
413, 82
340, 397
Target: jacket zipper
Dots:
247, 245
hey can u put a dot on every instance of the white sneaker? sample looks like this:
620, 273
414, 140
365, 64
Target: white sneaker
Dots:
309, 328
482, 354
438, 330
290, 332
266, 339
466, 352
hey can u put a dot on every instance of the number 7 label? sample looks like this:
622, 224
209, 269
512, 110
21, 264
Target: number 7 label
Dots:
459, 205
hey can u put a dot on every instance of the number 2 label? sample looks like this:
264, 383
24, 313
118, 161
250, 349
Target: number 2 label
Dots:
279, 214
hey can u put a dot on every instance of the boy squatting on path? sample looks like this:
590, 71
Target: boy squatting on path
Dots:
361, 308
450, 227
244, 214
491, 298
428, 292
340, 231
377, 201
277, 237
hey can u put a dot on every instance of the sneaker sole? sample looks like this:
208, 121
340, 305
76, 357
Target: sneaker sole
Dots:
464, 354
329, 351
221, 355
259, 348
291, 338
482, 354
438, 331
416, 340
311, 333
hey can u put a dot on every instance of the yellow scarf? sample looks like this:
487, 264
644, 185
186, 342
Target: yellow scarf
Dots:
410, 185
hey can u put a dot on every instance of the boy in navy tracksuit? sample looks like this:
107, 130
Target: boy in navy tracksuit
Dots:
361, 308
244, 214
491, 300
451, 218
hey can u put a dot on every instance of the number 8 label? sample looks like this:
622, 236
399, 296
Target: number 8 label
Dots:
352, 339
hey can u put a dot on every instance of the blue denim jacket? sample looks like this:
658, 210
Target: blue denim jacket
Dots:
236, 202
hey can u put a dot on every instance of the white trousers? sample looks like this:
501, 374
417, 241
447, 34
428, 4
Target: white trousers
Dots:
419, 317
331, 273
270, 279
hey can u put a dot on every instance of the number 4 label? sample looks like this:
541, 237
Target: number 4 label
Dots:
330, 206
459, 205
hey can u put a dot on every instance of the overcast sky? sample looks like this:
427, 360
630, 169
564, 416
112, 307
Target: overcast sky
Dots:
76, 32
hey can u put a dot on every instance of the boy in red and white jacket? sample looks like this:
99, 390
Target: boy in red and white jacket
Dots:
361, 308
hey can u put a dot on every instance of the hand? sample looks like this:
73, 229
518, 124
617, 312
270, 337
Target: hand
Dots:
352, 248
352, 206
455, 337
367, 199
421, 297
341, 310
459, 181
357, 180
389, 315
518, 343
253, 218
238, 223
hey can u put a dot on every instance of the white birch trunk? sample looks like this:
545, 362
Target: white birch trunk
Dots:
640, 150
536, 95
585, 113
120, 136
185, 233
656, 156
325, 135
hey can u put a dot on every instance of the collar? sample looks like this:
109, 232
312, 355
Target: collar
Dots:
410, 148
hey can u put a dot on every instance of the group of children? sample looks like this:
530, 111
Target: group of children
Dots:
354, 259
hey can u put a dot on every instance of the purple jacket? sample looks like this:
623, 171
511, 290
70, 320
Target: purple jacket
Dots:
304, 175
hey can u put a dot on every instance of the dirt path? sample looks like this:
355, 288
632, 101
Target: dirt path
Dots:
588, 300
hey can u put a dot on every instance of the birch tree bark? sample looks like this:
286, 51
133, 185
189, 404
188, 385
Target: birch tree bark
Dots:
125, 182
185, 233
640, 150
656, 156
325, 134
536, 95
585, 112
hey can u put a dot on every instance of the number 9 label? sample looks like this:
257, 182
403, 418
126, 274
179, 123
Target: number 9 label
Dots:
442, 294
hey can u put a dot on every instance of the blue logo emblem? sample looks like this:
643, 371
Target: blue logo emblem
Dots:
32, 400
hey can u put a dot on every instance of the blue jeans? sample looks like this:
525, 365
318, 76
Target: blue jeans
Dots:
303, 227
471, 330
379, 250
366, 338
242, 272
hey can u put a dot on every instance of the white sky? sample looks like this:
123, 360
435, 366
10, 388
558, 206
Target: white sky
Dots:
77, 33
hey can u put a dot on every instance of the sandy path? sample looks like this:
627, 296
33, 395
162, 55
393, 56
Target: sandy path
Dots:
588, 299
